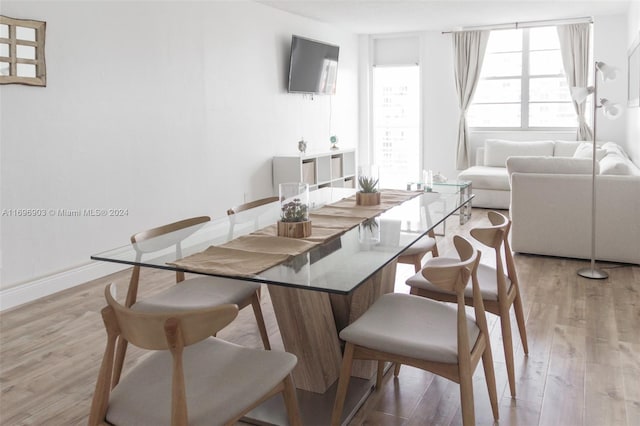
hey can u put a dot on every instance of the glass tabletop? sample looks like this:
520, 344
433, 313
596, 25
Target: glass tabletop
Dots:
339, 265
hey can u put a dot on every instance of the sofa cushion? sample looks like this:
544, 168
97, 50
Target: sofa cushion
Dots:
497, 151
585, 150
483, 177
612, 147
615, 164
553, 165
565, 148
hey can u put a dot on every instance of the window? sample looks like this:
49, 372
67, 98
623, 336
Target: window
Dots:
396, 124
522, 84
22, 51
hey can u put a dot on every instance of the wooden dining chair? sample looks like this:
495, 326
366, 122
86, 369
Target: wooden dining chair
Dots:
191, 377
414, 254
499, 289
198, 292
427, 334
234, 218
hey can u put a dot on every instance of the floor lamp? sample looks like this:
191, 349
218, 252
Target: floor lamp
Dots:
610, 110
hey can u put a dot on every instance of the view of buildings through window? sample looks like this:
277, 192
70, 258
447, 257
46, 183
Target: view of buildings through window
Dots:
396, 124
522, 84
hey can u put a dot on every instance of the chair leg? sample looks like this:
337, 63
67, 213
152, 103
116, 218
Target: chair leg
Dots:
417, 263
121, 351
380, 374
490, 377
517, 306
343, 384
396, 369
257, 311
507, 342
466, 400
291, 402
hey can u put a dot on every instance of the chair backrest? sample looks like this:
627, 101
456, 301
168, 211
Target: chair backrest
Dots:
497, 237
250, 212
251, 205
149, 330
454, 277
155, 331
172, 234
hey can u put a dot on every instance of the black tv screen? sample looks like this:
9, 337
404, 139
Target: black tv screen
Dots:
313, 67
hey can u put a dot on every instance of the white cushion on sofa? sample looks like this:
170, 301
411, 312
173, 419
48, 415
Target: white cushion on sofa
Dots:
612, 147
484, 177
615, 164
565, 148
552, 165
496, 151
585, 150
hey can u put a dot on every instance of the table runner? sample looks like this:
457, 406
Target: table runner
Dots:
254, 253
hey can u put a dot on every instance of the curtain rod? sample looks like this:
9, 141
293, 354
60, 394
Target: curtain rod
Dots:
524, 24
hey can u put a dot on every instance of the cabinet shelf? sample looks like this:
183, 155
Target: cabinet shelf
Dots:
329, 169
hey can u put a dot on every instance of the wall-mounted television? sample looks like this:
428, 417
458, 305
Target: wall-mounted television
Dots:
313, 67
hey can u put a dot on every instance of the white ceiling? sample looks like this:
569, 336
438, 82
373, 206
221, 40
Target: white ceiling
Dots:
393, 16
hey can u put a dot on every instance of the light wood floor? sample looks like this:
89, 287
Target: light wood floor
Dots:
583, 367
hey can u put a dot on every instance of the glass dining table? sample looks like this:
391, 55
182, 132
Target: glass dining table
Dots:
315, 293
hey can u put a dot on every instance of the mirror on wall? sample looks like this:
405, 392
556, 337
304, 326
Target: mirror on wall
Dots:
22, 52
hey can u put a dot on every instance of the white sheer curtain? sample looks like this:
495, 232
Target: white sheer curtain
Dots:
574, 45
468, 51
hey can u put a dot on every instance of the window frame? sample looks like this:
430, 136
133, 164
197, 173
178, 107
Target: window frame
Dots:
525, 78
12, 41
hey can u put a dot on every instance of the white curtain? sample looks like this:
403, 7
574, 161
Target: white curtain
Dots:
574, 45
468, 53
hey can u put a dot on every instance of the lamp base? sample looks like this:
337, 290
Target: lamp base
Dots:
594, 274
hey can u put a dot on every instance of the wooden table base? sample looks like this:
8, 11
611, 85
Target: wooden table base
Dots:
310, 321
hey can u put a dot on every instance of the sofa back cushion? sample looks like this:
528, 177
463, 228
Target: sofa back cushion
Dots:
565, 148
617, 162
585, 150
550, 165
496, 151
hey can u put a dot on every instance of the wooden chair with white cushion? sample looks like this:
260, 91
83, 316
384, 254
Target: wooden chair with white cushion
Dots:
427, 334
414, 254
499, 289
191, 377
254, 217
194, 293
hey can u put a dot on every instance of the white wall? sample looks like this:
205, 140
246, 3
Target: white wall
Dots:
610, 47
633, 114
166, 109
440, 108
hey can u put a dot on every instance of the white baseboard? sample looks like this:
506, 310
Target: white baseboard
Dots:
32, 290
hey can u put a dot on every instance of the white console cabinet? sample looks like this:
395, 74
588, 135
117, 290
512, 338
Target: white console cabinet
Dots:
330, 169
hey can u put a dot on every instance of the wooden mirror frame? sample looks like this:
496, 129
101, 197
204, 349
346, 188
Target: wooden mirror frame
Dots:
12, 60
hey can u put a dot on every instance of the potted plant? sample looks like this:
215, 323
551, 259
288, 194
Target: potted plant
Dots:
368, 194
294, 215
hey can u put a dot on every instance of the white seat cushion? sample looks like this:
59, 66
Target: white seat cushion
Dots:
410, 326
487, 279
485, 177
423, 245
221, 380
196, 293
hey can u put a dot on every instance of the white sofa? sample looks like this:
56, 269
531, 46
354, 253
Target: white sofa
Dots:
551, 205
489, 178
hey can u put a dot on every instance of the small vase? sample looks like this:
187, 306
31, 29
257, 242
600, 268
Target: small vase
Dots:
294, 229
367, 198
